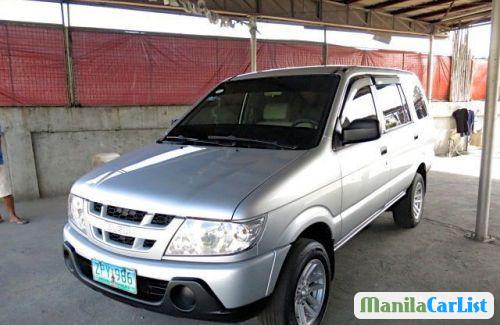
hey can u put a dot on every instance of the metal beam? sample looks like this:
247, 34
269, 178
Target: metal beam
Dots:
253, 43
492, 92
325, 47
430, 67
420, 6
476, 22
385, 4
448, 10
463, 16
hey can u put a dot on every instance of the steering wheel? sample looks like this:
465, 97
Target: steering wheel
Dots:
314, 123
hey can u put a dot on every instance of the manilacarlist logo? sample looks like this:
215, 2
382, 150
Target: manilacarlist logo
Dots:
424, 305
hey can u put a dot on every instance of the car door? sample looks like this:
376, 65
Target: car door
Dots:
399, 132
364, 166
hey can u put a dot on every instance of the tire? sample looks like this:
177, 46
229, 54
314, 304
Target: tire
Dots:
281, 309
406, 214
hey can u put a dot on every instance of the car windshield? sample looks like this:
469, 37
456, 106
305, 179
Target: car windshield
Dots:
275, 113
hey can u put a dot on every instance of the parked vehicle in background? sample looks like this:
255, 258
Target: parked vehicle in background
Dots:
240, 207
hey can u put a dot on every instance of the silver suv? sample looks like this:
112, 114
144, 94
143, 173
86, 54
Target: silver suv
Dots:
240, 207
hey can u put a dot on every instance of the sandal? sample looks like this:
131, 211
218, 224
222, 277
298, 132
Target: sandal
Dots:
20, 221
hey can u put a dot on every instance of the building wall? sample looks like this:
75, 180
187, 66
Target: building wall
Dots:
48, 148
444, 122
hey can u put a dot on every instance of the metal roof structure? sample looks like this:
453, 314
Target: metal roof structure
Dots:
420, 17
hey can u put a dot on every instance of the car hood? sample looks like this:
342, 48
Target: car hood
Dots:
192, 181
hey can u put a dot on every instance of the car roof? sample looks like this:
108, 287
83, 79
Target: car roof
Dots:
321, 69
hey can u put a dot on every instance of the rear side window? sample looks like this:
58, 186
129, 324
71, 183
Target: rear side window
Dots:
393, 106
419, 103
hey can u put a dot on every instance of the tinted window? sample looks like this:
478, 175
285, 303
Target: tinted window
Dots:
419, 103
360, 107
394, 108
290, 111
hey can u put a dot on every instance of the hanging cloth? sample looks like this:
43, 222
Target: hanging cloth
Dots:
462, 117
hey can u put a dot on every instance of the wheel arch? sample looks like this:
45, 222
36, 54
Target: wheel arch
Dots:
314, 223
321, 232
422, 170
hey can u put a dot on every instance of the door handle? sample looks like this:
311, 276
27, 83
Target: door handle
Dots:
415, 137
383, 150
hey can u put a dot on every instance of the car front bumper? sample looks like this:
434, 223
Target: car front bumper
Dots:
231, 291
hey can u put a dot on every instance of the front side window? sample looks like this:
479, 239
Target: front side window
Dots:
361, 106
289, 112
419, 103
394, 108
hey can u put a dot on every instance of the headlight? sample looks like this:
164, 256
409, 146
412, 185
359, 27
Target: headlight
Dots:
76, 206
201, 237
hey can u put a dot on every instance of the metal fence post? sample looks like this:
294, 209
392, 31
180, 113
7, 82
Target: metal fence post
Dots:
68, 55
430, 67
492, 85
325, 48
253, 43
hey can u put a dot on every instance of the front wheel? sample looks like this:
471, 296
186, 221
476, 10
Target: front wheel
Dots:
408, 211
301, 294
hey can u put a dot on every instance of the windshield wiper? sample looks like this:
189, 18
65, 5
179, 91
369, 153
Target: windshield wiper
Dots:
237, 139
182, 138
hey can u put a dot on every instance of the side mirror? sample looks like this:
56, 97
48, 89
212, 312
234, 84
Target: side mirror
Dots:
362, 130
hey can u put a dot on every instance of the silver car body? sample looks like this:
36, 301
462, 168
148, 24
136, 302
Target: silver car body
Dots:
342, 188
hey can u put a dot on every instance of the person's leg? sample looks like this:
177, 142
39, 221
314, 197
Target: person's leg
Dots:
8, 201
10, 206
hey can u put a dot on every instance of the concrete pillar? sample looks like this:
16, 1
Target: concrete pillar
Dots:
18, 148
492, 92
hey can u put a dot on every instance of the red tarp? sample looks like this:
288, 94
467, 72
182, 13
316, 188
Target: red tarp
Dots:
127, 69
131, 69
479, 73
115, 68
32, 66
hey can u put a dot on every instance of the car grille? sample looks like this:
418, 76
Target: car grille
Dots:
125, 240
125, 214
161, 219
134, 216
121, 239
150, 290
148, 243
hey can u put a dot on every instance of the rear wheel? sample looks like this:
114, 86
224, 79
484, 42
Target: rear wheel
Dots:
408, 211
301, 294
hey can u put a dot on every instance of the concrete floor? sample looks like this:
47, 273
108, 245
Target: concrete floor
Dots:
435, 256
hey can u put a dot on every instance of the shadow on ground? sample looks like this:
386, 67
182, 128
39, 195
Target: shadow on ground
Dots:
435, 256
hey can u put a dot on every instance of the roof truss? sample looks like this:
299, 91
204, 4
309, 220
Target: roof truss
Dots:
417, 17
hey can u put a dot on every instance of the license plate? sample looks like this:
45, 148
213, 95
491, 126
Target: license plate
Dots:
114, 276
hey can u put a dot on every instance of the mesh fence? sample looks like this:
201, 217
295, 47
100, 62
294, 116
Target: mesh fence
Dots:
32, 66
128, 69
118, 68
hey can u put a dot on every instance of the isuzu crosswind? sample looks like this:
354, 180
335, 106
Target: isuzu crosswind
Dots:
240, 207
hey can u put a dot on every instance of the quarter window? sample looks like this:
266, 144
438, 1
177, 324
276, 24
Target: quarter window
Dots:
419, 103
394, 108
